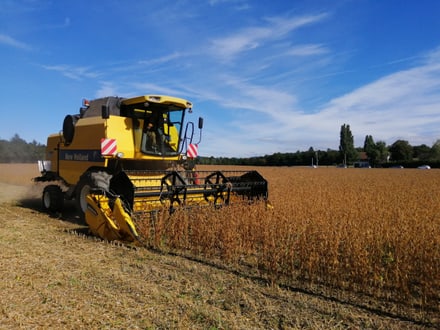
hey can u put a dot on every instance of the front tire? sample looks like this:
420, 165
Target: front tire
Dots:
87, 182
53, 198
83, 189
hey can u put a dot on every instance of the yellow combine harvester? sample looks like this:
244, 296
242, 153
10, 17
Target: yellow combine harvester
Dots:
122, 158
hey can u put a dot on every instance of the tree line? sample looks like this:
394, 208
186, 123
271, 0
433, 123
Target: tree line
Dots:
375, 154
17, 150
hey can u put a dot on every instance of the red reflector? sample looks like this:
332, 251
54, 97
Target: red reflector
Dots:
192, 151
108, 147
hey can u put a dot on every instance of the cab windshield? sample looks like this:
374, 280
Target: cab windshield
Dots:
157, 128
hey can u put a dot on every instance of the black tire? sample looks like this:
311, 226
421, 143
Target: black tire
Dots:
69, 128
89, 181
82, 190
53, 198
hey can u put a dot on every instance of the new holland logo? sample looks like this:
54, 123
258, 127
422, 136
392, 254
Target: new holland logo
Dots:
81, 155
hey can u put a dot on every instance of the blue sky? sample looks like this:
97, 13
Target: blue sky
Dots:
267, 76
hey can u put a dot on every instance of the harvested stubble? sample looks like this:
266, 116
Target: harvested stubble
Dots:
375, 232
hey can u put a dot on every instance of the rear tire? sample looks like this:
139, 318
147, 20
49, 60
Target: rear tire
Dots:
53, 198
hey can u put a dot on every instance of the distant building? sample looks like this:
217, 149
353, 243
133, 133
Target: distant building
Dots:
363, 161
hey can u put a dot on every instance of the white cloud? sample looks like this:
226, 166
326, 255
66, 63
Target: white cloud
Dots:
251, 38
151, 88
272, 102
76, 73
248, 39
307, 50
402, 105
238, 4
161, 60
9, 41
107, 89
282, 25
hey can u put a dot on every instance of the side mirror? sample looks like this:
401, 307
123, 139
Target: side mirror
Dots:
105, 114
200, 122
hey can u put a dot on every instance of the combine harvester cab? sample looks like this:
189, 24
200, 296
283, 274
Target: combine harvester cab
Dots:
125, 158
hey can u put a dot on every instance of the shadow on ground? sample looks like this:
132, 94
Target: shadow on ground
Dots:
69, 212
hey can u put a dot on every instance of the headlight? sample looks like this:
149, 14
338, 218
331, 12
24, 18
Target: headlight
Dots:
154, 98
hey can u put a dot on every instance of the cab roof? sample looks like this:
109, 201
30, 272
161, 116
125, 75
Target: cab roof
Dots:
114, 103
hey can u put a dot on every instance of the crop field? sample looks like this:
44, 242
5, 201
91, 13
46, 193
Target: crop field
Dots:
341, 248
374, 232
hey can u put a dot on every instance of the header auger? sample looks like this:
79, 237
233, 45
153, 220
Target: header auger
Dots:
123, 158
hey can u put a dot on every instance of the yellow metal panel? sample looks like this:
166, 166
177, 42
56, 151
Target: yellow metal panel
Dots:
107, 223
88, 133
71, 171
121, 129
173, 135
51, 150
84, 151
159, 99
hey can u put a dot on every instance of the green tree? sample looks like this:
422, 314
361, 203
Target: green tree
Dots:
422, 152
435, 151
383, 152
371, 149
401, 150
346, 145
310, 156
329, 157
376, 152
17, 150
368, 142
